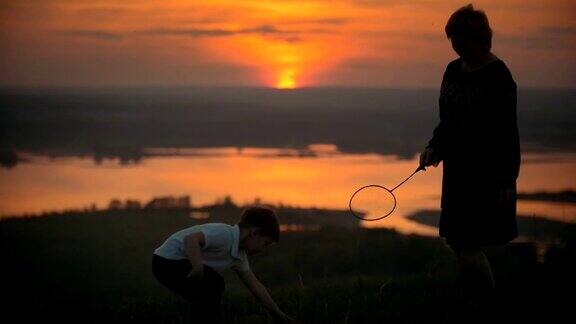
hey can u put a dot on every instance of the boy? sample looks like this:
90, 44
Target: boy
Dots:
191, 261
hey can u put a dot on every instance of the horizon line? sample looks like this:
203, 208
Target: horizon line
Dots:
251, 87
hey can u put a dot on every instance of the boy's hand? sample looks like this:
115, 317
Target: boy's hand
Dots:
197, 273
193, 244
283, 318
261, 293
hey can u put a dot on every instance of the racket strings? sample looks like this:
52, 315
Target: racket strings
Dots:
372, 202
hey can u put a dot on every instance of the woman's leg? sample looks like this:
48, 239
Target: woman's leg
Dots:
476, 274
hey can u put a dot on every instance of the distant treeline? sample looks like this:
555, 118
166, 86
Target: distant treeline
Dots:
120, 122
562, 196
224, 210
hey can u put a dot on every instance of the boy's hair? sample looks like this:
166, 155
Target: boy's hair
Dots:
262, 218
470, 23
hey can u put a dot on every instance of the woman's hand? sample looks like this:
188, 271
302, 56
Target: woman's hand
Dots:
427, 158
507, 196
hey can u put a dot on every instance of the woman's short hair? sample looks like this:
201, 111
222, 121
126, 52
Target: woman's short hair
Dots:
262, 218
470, 23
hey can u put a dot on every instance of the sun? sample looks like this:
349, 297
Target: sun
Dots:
286, 80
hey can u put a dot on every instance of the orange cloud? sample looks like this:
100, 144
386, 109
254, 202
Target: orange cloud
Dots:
315, 42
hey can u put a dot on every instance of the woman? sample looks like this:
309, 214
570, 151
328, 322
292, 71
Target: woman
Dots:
477, 140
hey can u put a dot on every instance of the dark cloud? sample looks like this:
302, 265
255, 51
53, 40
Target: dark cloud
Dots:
216, 32
331, 21
292, 39
321, 21
290, 36
319, 31
201, 21
421, 36
192, 16
201, 32
544, 38
108, 68
371, 71
192, 32
372, 3
28, 11
386, 3
558, 31
264, 30
94, 34
102, 12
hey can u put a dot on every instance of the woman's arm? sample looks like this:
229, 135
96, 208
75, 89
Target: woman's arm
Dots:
261, 293
433, 153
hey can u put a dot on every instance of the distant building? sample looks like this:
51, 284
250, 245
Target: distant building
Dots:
199, 215
169, 202
184, 202
132, 204
228, 202
115, 204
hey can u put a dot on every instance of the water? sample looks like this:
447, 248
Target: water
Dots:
81, 148
320, 176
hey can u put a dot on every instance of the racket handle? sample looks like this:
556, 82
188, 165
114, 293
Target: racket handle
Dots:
413, 173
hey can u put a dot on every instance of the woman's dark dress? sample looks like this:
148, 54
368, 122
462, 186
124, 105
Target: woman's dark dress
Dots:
477, 139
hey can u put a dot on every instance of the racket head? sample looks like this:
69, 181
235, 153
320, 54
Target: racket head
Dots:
372, 203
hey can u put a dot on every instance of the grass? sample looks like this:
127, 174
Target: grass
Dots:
95, 268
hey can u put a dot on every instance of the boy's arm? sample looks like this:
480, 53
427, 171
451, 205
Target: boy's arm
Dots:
261, 293
193, 244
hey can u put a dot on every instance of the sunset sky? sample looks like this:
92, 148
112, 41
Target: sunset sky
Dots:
281, 44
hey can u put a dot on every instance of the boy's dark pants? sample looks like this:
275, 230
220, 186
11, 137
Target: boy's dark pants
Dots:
204, 295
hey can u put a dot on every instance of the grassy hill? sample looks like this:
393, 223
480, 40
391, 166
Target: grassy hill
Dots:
95, 268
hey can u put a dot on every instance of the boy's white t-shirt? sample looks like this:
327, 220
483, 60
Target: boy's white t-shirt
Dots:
220, 251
